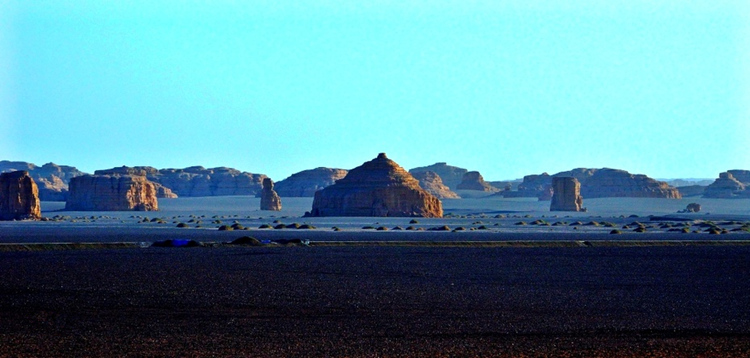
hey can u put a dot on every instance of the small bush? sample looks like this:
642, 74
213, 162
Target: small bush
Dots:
615, 232
182, 225
265, 226
280, 226
397, 228
367, 227
246, 240
413, 221
225, 228
410, 228
306, 227
441, 228
520, 223
382, 228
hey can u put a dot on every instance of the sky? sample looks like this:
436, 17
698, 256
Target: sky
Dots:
508, 88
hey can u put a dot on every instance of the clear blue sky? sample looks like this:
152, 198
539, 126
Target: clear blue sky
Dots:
504, 87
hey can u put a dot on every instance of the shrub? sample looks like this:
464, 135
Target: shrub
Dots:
382, 228
246, 240
368, 227
265, 226
441, 228
413, 221
225, 228
520, 223
280, 226
615, 232
182, 225
306, 227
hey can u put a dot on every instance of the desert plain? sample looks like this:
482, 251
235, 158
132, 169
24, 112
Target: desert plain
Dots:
494, 277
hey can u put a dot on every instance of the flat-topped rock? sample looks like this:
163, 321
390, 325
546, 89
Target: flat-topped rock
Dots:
51, 179
269, 199
379, 187
111, 193
566, 194
450, 175
197, 180
729, 185
19, 197
433, 184
307, 182
474, 181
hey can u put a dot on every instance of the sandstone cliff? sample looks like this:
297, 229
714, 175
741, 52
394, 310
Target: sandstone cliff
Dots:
307, 182
51, 179
602, 183
269, 199
197, 181
732, 184
379, 187
433, 184
474, 181
567, 194
450, 175
19, 197
111, 193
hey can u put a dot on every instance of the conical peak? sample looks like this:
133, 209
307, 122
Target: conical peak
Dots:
382, 156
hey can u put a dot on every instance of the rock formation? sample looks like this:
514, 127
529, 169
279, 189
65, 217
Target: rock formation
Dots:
732, 184
692, 190
307, 182
567, 194
533, 186
602, 183
162, 192
450, 175
111, 193
197, 181
432, 183
51, 179
474, 181
269, 200
19, 197
379, 187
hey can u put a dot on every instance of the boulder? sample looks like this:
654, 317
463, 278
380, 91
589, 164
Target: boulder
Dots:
111, 193
269, 200
567, 194
197, 181
693, 208
450, 175
729, 185
19, 197
474, 181
307, 182
379, 187
432, 183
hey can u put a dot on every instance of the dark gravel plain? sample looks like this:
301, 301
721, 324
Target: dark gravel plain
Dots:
377, 302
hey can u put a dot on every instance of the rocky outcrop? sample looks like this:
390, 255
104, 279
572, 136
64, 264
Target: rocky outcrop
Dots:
269, 200
450, 175
567, 194
162, 192
197, 181
111, 193
51, 179
19, 197
432, 183
474, 181
602, 183
307, 182
379, 187
732, 184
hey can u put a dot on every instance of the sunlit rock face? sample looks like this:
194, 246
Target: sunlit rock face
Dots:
19, 197
433, 184
474, 181
269, 200
112, 193
379, 187
566, 194
450, 175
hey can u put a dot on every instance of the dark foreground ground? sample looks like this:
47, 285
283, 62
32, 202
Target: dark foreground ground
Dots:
377, 301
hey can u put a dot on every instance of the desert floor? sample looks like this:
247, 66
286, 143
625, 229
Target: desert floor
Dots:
508, 279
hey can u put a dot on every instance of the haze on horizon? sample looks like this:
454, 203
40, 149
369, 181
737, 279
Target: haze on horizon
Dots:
511, 88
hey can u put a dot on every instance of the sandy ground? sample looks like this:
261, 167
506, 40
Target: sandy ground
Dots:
538, 300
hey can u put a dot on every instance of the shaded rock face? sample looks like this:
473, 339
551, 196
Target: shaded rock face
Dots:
379, 187
693, 208
307, 182
19, 197
692, 190
111, 193
567, 194
432, 183
197, 181
51, 179
450, 175
732, 184
474, 181
533, 186
604, 183
269, 200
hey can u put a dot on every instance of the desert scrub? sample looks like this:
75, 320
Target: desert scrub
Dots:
265, 226
279, 227
609, 224
413, 221
460, 228
520, 223
182, 225
382, 228
577, 223
640, 229
306, 227
441, 228
237, 226
336, 228
482, 228
368, 227
410, 228
397, 228
225, 228
615, 232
